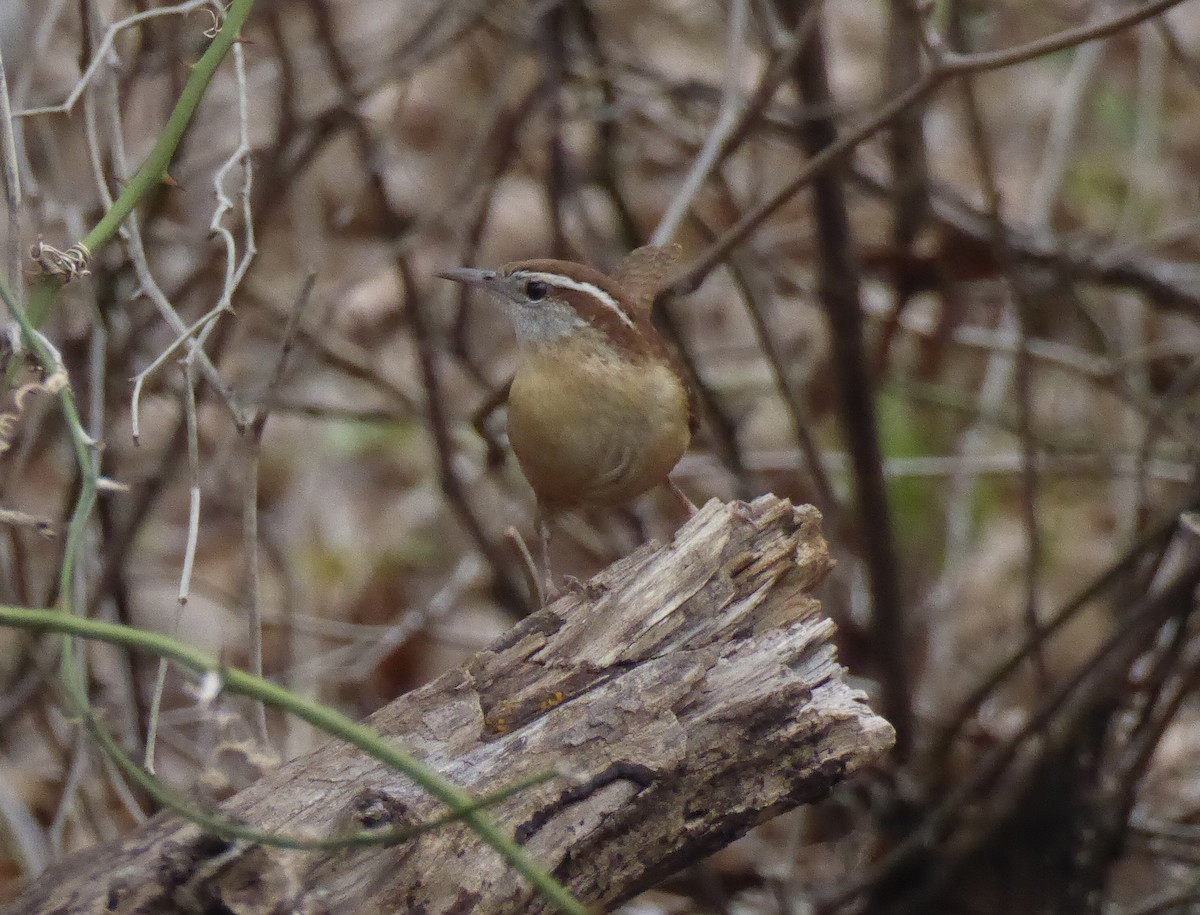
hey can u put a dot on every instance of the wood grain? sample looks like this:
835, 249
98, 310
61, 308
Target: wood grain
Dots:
686, 694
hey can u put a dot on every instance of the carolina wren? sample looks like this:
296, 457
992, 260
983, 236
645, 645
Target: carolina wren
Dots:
598, 412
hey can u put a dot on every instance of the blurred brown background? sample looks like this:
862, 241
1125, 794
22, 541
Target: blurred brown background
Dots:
1031, 386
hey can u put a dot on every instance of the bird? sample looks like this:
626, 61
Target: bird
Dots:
599, 411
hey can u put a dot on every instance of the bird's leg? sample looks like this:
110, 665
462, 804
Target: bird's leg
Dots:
528, 567
685, 503
543, 526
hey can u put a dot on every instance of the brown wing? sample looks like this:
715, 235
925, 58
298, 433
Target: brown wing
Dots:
645, 270
642, 274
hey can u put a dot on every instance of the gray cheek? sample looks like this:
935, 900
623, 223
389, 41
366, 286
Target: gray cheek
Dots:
545, 322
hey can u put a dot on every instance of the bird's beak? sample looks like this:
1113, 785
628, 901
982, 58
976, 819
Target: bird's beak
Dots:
469, 276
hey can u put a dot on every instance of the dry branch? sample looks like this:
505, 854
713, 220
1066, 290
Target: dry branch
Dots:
687, 693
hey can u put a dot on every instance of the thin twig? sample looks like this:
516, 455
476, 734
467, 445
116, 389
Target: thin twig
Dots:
80, 754
727, 120
12, 190
827, 499
1064, 121
327, 719
507, 591
1023, 310
101, 51
952, 66
188, 395
252, 432
838, 287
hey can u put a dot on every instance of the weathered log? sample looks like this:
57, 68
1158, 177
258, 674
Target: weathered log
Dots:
687, 693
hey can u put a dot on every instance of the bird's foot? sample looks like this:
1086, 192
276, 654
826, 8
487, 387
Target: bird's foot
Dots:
682, 498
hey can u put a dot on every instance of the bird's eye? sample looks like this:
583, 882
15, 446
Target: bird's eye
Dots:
536, 290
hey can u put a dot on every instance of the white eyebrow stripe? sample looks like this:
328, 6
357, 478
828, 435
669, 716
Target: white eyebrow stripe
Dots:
557, 279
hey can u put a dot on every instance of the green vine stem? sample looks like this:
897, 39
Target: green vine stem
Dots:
71, 664
151, 172
230, 830
328, 720
154, 168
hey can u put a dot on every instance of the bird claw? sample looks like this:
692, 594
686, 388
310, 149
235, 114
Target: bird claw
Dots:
587, 590
743, 512
682, 498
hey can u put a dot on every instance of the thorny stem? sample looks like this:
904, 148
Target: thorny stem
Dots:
154, 168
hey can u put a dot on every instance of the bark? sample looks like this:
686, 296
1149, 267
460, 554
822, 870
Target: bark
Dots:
687, 693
